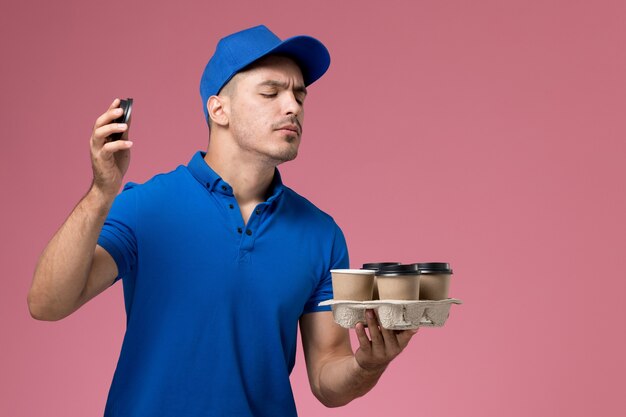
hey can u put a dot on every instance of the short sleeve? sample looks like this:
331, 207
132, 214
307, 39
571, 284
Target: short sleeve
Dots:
118, 236
339, 260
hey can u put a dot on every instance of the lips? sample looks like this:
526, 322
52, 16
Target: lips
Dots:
292, 128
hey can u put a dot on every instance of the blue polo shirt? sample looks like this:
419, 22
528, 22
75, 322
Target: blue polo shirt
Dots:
212, 304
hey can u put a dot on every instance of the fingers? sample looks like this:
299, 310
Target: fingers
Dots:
104, 162
112, 113
101, 134
364, 342
405, 336
372, 326
104, 126
109, 159
116, 103
391, 340
384, 346
385, 341
111, 147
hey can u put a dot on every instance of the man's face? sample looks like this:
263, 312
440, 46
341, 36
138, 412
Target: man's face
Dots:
266, 109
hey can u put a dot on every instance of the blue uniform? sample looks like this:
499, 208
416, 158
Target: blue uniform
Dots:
212, 304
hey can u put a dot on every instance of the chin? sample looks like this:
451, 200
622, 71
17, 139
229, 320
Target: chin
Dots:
290, 157
285, 156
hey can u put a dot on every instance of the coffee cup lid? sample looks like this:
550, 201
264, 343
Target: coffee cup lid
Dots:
377, 265
400, 269
434, 268
353, 271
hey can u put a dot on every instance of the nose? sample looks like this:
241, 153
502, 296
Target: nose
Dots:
291, 105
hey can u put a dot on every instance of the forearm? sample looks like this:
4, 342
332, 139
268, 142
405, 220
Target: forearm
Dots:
63, 268
337, 375
342, 380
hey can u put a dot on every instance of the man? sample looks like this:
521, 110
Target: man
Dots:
219, 260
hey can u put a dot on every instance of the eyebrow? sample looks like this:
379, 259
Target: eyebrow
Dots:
283, 85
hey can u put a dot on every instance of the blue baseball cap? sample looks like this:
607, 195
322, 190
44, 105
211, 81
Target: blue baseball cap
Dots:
235, 52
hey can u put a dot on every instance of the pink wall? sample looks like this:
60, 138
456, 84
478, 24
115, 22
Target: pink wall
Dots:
489, 134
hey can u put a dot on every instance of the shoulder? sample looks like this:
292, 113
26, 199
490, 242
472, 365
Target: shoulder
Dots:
162, 190
305, 209
160, 183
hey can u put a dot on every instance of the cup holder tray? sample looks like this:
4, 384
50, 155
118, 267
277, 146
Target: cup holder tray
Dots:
393, 314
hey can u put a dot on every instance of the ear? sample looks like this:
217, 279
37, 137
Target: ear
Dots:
217, 108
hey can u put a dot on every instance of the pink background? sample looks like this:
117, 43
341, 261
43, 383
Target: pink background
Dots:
489, 134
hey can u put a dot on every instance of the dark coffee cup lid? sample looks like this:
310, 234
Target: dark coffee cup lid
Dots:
377, 265
399, 269
434, 268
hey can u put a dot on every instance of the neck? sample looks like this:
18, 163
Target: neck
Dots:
249, 176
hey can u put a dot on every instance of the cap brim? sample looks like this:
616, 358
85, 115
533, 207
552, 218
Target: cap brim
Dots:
310, 54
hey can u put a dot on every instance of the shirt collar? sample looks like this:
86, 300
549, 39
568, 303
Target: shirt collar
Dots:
214, 183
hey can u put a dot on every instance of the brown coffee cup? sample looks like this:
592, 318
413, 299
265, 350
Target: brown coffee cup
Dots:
435, 280
352, 284
375, 266
398, 282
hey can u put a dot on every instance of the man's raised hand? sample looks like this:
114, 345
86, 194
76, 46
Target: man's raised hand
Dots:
109, 160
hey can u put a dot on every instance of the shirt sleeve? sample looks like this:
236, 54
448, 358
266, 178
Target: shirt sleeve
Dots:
339, 260
118, 236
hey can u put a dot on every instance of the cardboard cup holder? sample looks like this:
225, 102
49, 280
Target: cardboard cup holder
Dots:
393, 314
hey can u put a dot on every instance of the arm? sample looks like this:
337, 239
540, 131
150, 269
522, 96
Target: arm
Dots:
336, 374
73, 268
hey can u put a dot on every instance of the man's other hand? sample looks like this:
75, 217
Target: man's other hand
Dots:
382, 346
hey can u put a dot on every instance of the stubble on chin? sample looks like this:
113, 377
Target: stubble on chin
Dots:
289, 156
286, 155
